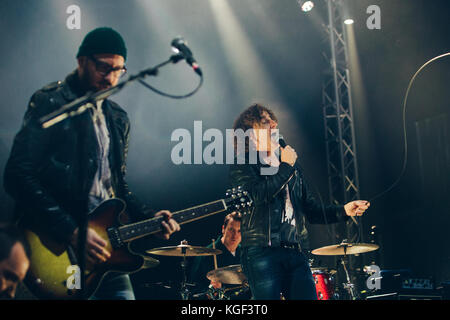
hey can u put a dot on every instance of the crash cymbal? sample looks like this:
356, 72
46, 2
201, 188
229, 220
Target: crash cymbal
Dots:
229, 275
345, 249
184, 250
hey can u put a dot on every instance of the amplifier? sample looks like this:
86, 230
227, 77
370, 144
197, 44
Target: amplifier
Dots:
417, 284
404, 281
392, 280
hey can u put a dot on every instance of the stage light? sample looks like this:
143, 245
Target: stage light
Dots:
306, 5
349, 21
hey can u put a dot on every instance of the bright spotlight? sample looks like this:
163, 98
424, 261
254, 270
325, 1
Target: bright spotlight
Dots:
306, 5
349, 21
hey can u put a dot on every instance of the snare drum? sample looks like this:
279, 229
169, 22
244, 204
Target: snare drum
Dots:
324, 281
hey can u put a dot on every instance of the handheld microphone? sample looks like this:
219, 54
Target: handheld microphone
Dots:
180, 45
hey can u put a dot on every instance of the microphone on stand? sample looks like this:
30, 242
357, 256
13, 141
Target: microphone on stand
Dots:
179, 45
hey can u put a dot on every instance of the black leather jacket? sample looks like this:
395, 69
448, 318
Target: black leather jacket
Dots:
50, 171
269, 202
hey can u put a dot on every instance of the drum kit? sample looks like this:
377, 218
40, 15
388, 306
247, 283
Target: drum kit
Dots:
233, 274
325, 280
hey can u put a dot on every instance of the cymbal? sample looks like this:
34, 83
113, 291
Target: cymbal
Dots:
345, 248
184, 250
229, 275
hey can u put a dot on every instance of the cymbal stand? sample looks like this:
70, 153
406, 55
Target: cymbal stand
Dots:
350, 287
184, 291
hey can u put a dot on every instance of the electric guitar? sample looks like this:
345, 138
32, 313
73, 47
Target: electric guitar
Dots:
52, 264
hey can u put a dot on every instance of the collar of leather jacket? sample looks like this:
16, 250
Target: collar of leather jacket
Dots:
74, 89
256, 160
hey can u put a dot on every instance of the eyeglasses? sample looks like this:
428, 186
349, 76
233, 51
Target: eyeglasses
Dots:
104, 68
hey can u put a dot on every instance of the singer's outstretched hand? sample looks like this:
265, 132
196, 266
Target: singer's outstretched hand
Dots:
356, 208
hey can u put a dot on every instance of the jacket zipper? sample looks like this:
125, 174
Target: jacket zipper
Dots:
295, 210
284, 184
282, 187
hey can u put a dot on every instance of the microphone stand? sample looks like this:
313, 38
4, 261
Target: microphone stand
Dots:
75, 108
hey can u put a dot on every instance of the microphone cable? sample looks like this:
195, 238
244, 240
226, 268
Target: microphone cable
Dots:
405, 138
168, 95
405, 142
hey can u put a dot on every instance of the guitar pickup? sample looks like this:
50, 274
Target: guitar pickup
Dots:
114, 238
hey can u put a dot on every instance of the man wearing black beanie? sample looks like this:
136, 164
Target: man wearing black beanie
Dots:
58, 175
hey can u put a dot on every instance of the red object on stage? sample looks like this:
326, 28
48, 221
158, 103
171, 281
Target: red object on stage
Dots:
324, 284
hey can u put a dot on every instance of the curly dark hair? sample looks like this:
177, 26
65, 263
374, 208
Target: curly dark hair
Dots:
249, 117
252, 115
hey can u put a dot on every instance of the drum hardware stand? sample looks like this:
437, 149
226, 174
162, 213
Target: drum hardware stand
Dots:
184, 290
350, 287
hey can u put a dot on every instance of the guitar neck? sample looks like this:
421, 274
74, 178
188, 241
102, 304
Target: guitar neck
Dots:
150, 226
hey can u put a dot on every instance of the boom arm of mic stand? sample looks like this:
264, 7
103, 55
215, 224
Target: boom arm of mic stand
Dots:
80, 105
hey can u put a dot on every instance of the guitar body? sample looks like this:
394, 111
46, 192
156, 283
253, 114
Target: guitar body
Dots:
48, 274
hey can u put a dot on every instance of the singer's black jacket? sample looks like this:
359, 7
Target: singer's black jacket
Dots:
50, 171
269, 202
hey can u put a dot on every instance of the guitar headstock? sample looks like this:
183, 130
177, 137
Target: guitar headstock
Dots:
238, 199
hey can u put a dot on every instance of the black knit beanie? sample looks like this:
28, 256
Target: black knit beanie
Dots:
103, 40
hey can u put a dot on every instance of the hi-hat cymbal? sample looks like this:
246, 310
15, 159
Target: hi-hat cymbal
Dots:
184, 250
150, 262
229, 275
345, 248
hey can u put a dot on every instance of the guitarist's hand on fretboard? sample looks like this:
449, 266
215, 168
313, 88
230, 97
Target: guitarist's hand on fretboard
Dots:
95, 246
169, 225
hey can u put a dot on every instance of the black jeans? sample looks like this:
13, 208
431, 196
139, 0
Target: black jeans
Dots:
272, 271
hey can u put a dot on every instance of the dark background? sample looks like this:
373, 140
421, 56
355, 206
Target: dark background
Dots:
268, 51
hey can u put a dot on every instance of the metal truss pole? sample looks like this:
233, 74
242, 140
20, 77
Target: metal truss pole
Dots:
342, 163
